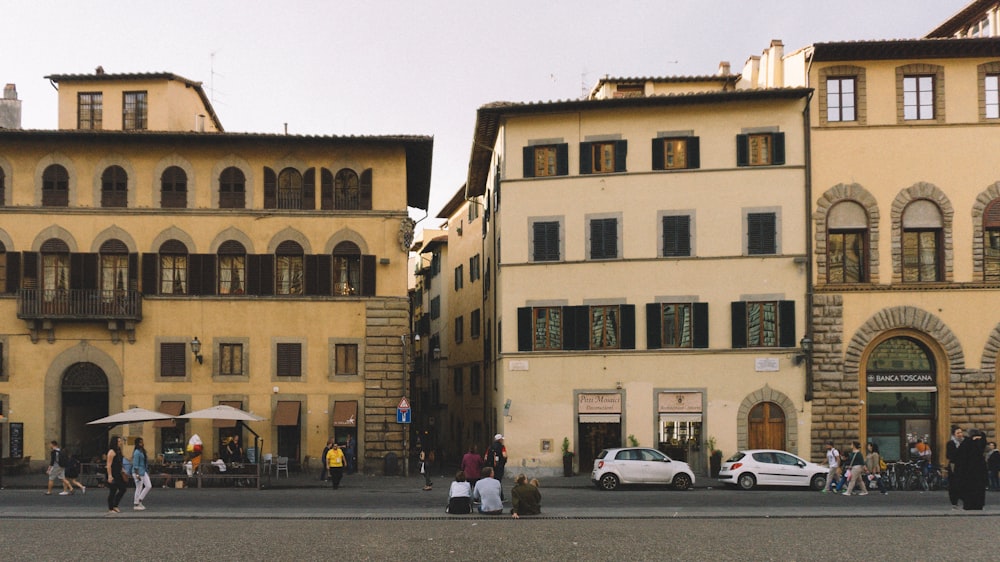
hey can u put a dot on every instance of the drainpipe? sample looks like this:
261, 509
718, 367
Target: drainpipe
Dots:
807, 144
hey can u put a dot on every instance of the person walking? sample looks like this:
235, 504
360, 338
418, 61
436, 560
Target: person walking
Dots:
951, 453
425, 469
970, 464
140, 473
116, 476
73, 468
335, 462
351, 453
993, 465
856, 466
496, 458
833, 463
325, 473
873, 462
472, 465
56, 471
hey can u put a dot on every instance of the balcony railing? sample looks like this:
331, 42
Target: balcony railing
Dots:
79, 304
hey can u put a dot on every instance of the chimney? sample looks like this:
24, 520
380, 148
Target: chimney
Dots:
724, 68
10, 108
99, 70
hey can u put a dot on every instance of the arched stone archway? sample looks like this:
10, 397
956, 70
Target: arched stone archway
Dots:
84, 394
83, 352
769, 395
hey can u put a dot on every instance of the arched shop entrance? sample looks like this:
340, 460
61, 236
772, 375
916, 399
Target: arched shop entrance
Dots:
84, 398
766, 427
902, 396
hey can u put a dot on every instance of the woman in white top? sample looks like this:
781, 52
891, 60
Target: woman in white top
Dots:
459, 495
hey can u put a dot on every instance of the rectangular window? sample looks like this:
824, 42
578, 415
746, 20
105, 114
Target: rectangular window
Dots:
603, 239
991, 257
134, 111
289, 359
474, 269
172, 359
992, 96
435, 308
760, 150
545, 161
475, 380
459, 329
676, 326
474, 323
548, 328
459, 278
918, 97
90, 110
761, 234
457, 377
602, 157
604, 323
762, 324
346, 359
921, 256
677, 236
230, 359
840, 100
846, 256
545, 241
674, 154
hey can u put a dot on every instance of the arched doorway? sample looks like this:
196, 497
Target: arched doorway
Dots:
766, 427
901, 379
84, 398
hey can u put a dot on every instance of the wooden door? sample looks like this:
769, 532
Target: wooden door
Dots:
766, 427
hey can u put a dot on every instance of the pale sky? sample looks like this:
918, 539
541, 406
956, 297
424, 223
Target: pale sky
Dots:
340, 67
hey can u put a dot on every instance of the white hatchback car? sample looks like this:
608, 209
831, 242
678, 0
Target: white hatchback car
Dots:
639, 465
768, 467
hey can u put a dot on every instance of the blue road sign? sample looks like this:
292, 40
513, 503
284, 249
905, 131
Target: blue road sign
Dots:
402, 415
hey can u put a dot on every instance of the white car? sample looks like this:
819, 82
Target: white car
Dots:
639, 465
768, 467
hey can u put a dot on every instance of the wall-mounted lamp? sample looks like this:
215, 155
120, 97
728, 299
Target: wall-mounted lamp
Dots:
506, 409
618, 385
807, 349
196, 350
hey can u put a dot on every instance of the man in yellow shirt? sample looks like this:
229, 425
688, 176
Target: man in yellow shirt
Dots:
335, 461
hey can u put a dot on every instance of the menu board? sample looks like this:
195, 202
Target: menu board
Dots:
16, 440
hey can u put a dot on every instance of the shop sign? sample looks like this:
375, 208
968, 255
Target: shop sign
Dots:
599, 404
679, 402
901, 379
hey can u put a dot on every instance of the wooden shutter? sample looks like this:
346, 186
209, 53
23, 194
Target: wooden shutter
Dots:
529, 161
172, 360
289, 359
621, 153
545, 241
562, 159
270, 189
658, 163
778, 145
693, 153
525, 329
654, 329
13, 272
84, 271
150, 274
586, 157
309, 190
29, 270
326, 190
318, 274
786, 324
742, 150
739, 324
365, 191
700, 328
201, 274
576, 327
626, 325
253, 274
367, 276
761, 234
676, 236
266, 266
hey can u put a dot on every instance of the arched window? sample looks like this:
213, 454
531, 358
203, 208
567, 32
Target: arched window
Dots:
346, 190
991, 241
922, 242
288, 269
55, 186
114, 269
173, 268
901, 402
232, 189
346, 269
114, 187
55, 269
847, 243
173, 188
232, 268
289, 189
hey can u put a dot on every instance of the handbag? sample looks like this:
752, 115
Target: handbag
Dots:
422, 468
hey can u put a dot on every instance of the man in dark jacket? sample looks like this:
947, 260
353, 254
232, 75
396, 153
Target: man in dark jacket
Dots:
971, 468
993, 465
951, 452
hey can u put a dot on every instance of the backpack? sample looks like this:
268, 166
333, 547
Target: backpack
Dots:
881, 465
63, 458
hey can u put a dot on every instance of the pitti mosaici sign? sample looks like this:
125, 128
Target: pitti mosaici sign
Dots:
901, 379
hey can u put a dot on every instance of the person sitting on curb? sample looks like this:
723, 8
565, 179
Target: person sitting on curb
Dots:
525, 497
488, 492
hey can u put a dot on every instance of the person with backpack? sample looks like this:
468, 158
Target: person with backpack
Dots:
73, 468
496, 458
56, 470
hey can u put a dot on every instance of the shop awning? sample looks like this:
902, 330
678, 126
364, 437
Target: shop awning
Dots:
286, 413
227, 423
902, 389
171, 408
345, 413
680, 417
600, 418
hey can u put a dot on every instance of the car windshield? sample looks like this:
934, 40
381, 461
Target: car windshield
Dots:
737, 457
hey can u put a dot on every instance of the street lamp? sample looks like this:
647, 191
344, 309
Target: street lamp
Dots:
806, 344
196, 350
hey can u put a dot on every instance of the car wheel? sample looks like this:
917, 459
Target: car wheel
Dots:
818, 482
682, 481
608, 482
747, 481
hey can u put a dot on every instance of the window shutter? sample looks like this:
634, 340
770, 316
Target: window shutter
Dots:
201, 274
778, 144
562, 159
742, 150
172, 362
658, 154
365, 199
693, 153
739, 324
761, 235
267, 274
318, 274
326, 189
627, 326
84, 272
546, 241
786, 324
576, 327
528, 153
270, 189
676, 236
309, 189
621, 153
253, 274
525, 329
654, 333
13, 272
701, 324
289, 359
150, 274
367, 276
133, 272
586, 157
29, 270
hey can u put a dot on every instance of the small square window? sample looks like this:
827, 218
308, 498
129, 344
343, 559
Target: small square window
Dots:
545, 161
761, 234
918, 97
289, 359
346, 359
230, 359
172, 359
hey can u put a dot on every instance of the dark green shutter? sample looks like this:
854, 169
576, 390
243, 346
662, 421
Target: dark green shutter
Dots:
621, 154
267, 274
778, 144
739, 323
786, 324
270, 189
576, 327
586, 157
742, 150
29, 270
365, 190
524, 329
562, 159
658, 154
654, 333
701, 325
318, 274
529, 161
626, 323
326, 189
693, 153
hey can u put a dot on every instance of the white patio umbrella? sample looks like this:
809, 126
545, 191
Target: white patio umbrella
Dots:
222, 412
133, 415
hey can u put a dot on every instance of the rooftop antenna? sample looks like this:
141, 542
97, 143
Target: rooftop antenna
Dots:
211, 78
584, 91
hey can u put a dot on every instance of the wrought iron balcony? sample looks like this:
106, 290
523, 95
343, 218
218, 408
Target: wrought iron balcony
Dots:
79, 304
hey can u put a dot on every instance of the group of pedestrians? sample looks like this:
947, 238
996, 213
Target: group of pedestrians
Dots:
480, 481
118, 477
63, 468
967, 469
854, 470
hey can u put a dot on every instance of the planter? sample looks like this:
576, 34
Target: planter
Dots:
568, 465
715, 464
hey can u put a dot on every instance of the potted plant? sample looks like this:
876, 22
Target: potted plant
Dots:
714, 459
567, 457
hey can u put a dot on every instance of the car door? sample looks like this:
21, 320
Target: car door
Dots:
629, 465
793, 473
768, 471
656, 468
